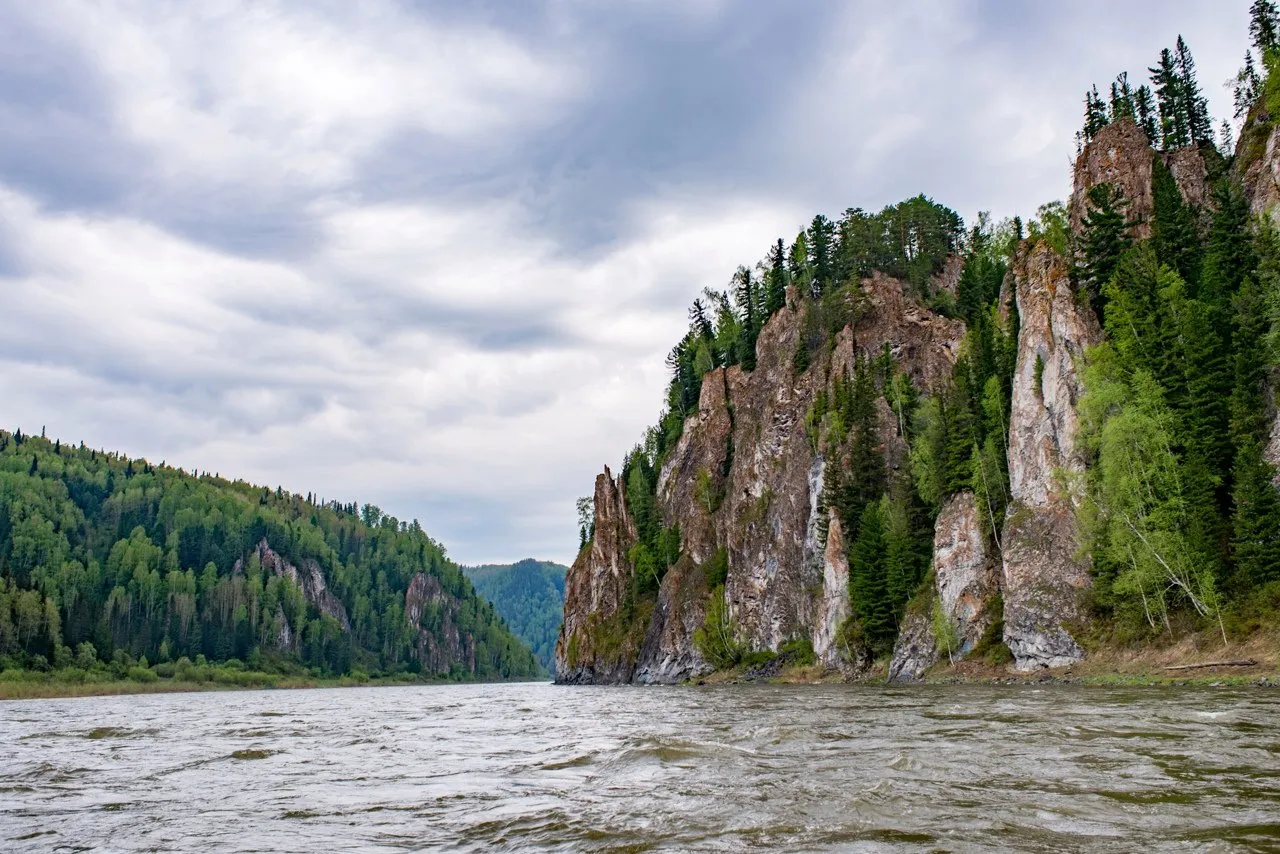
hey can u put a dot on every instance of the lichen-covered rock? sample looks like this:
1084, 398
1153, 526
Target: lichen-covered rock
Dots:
1042, 577
1121, 155
669, 655
921, 342
916, 650
1258, 163
964, 568
833, 606
594, 591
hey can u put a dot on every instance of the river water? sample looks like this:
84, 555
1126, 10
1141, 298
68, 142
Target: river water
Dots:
729, 768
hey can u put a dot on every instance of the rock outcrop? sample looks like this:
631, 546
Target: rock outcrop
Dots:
745, 479
1043, 575
595, 588
309, 578
966, 582
1121, 155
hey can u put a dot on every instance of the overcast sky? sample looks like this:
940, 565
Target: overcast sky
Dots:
431, 255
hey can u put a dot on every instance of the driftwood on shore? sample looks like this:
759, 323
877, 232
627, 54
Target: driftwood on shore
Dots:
1235, 662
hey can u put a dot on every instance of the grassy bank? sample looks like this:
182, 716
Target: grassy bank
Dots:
173, 678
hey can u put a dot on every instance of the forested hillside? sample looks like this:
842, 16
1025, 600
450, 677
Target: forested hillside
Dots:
105, 558
529, 595
898, 437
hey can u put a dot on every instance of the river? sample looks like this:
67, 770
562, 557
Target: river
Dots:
729, 768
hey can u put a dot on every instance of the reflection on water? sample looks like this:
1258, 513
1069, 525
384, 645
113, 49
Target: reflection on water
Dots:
730, 768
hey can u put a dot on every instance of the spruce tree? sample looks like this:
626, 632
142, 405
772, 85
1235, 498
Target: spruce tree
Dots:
868, 588
1174, 132
1255, 536
1194, 104
1103, 240
776, 282
1173, 226
1145, 110
821, 249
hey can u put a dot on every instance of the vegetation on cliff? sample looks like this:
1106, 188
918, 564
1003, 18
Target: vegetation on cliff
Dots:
106, 560
1161, 515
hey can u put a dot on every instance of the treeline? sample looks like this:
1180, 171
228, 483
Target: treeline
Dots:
108, 558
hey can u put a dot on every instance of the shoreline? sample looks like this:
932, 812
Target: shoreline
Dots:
59, 689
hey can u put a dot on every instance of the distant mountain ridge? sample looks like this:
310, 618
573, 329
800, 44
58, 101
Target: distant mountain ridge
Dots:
529, 595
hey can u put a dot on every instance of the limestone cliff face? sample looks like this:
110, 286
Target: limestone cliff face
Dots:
1258, 162
966, 581
1043, 575
444, 645
745, 479
595, 587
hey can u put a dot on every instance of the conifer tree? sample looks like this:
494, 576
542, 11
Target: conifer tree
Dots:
1264, 27
1145, 110
868, 588
1103, 240
1173, 226
821, 246
1174, 132
1194, 104
776, 283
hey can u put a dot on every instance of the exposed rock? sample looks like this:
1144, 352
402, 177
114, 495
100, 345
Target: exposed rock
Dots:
916, 650
594, 591
1258, 162
964, 568
948, 278
1042, 577
1121, 155
309, 578
440, 645
833, 607
921, 342
767, 507
669, 655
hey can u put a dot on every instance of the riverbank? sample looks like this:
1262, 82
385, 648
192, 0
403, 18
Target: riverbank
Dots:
1194, 659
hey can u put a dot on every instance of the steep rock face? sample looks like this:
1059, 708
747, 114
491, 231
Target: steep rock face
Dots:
964, 568
1258, 162
309, 578
440, 649
924, 343
594, 591
965, 582
833, 606
767, 506
1121, 155
916, 650
1042, 574
745, 478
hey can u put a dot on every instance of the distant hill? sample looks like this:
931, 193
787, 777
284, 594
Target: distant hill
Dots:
530, 597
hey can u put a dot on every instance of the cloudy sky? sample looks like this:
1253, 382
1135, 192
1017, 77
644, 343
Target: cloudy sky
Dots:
431, 255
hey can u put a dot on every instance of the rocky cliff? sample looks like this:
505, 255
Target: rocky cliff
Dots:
746, 477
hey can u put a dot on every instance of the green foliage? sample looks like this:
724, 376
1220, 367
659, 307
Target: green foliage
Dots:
716, 638
529, 596
102, 556
944, 631
1053, 226
1104, 238
716, 569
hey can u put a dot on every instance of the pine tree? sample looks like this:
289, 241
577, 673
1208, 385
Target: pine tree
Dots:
1245, 88
1229, 254
1095, 114
746, 295
1121, 97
